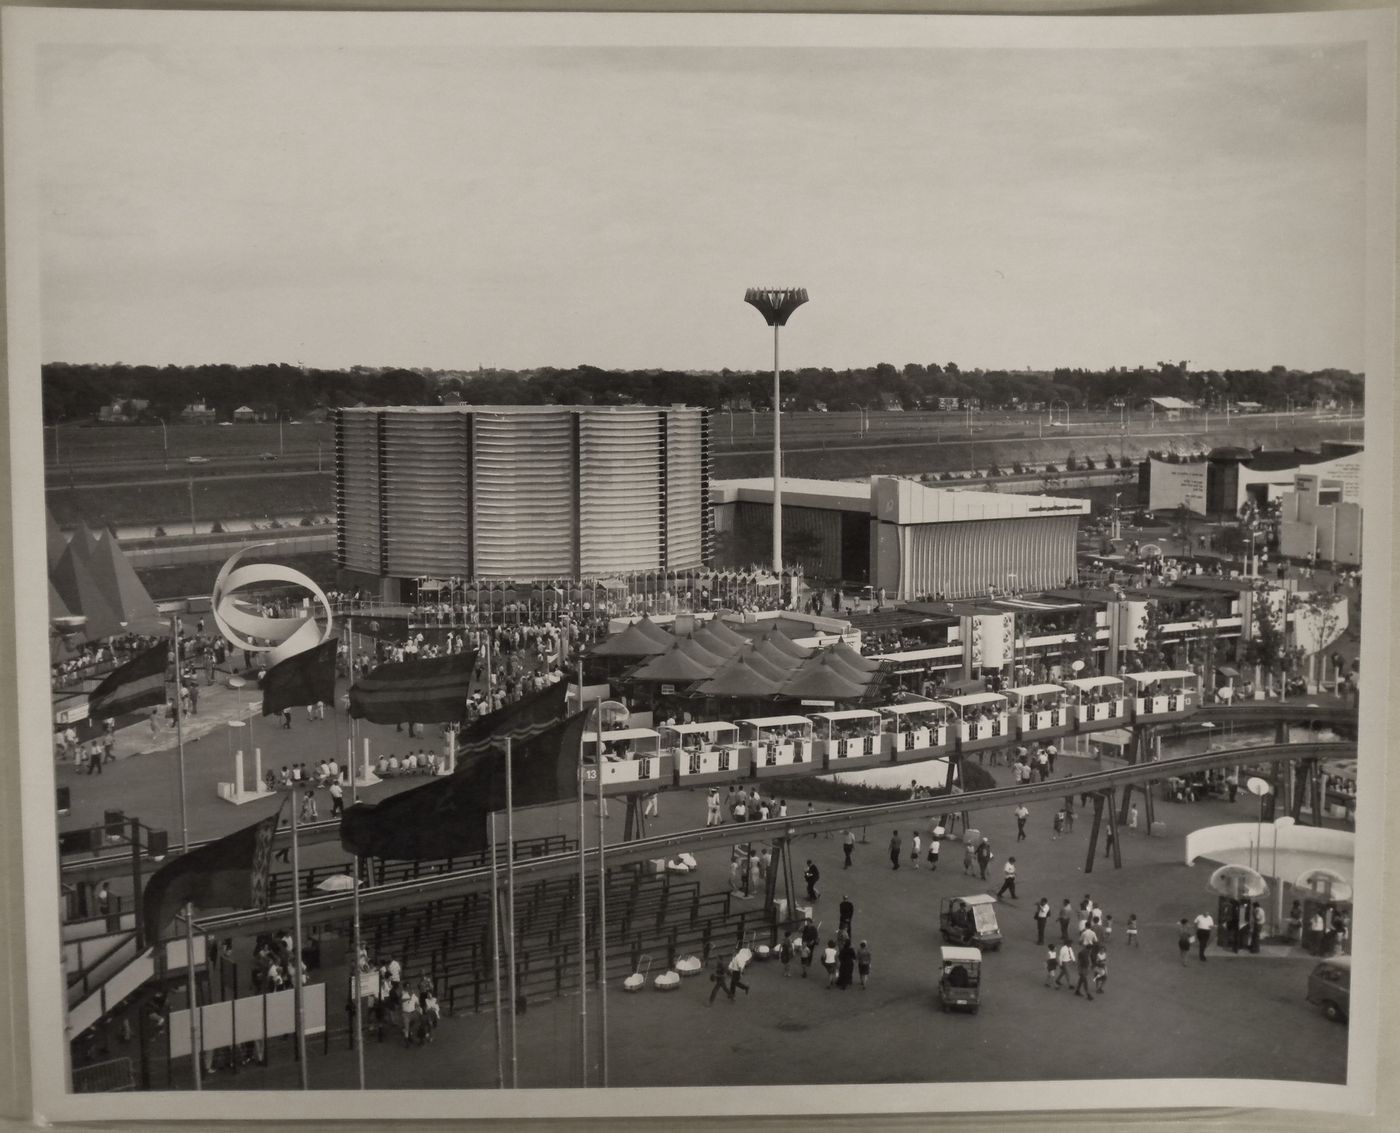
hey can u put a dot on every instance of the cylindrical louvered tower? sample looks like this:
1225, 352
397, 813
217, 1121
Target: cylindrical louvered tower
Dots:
522, 492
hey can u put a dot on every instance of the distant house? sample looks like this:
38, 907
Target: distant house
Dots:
948, 403
891, 402
1171, 407
245, 415
1249, 407
197, 413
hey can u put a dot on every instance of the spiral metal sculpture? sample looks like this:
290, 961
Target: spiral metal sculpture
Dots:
247, 628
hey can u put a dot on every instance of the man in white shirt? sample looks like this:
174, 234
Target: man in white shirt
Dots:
1204, 924
337, 798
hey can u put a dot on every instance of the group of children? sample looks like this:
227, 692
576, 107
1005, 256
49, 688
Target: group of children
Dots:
412, 1011
1085, 969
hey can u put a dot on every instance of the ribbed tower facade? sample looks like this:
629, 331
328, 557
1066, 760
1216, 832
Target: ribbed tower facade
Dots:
522, 492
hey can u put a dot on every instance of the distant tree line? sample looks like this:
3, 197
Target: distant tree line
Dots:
79, 391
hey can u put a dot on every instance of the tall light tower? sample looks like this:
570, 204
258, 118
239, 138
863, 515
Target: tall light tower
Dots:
775, 304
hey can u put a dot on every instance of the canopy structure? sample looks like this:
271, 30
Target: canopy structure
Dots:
772, 670
776, 721
1035, 690
718, 644
853, 658
721, 630
621, 734
822, 684
1092, 682
775, 656
673, 667
631, 642
908, 706
825, 660
707, 652
738, 678
57, 544
123, 590
1160, 675
847, 714
780, 640
654, 631
74, 583
705, 727
973, 699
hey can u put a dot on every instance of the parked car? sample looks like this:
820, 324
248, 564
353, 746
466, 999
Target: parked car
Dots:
196, 460
267, 456
1329, 986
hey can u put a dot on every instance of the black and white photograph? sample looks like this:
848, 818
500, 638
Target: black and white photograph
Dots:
614, 564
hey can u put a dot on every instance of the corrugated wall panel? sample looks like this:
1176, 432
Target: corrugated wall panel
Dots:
425, 483
687, 491
962, 560
524, 495
619, 491
357, 491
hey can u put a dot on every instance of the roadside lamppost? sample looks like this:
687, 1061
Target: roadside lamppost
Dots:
776, 305
164, 445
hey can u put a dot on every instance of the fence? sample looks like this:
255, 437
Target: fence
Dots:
107, 1077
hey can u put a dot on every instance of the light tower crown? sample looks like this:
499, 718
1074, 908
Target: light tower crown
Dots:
775, 304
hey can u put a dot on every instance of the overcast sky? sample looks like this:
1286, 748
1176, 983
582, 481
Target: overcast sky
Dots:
455, 207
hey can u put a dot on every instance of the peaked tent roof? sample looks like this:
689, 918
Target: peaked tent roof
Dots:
775, 672
631, 642
716, 644
822, 684
83, 541
699, 652
780, 640
58, 608
123, 590
674, 666
825, 660
57, 542
724, 631
654, 631
775, 656
738, 678
843, 652
73, 580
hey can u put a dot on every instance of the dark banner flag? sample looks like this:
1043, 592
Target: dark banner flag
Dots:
414, 692
302, 679
522, 721
449, 818
139, 683
228, 874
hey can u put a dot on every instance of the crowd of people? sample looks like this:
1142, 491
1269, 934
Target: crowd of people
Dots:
395, 1002
96, 658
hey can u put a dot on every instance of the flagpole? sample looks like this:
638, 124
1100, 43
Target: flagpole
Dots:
582, 927
296, 945
185, 848
496, 951
196, 1043
355, 889
510, 914
602, 902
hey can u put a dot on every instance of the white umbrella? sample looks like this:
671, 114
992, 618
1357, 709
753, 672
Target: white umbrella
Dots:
1325, 883
337, 883
1238, 881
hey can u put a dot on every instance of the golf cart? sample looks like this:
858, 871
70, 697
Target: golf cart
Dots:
970, 921
960, 984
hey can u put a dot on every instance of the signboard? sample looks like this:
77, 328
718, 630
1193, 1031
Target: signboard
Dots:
819, 704
1132, 625
992, 636
1177, 486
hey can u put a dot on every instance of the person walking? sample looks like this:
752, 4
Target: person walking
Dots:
1085, 961
1021, 815
1100, 968
845, 966
848, 845
847, 912
1052, 963
896, 846
1059, 825
1184, 934
719, 977
1066, 913
1008, 879
934, 846
829, 959
1064, 974
863, 963
785, 951
969, 856
736, 974
984, 856
337, 799
914, 845
810, 941
712, 814
1132, 931
811, 875
1042, 914
1204, 924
